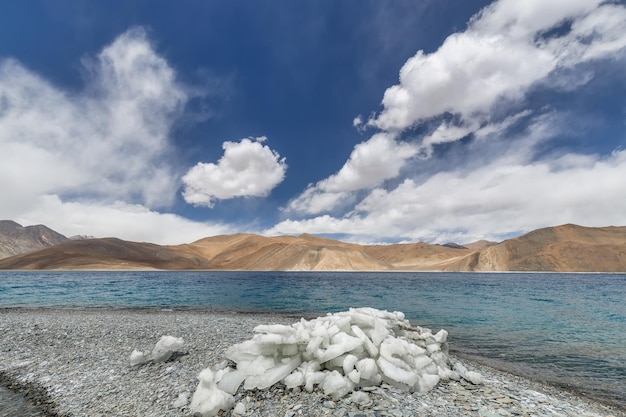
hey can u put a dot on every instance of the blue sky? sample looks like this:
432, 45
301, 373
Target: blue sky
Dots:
368, 121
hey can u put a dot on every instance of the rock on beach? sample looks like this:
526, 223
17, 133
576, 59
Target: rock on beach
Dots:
80, 359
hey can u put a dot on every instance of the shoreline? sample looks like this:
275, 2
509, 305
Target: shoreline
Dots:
81, 358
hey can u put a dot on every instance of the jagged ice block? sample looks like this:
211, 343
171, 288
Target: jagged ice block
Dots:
339, 353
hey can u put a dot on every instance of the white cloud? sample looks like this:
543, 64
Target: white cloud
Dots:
473, 76
499, 57
502, 197
109, 141
132, 222
95, 161
371, 163
314, 201
247, 169
475, 84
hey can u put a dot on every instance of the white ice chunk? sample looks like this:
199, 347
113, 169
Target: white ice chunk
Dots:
367, 343
354, 376
361, 398
378, 333
272, 375
395, 373
208, 399
240, 409
421, 361
293, 380
427, 382
309, 366
313, 378
348, 363
137, 358
181, 401
245, 351
338, 352
431, 368
440, 358
314, 345
367, 368
260, 365
361, 320
343, 323
165, 347
471, 376
441, 336
432, 348
474, 377
447, 374
341, 343
290, 350
460, 369
231, 381
275, 328
336, 362
162, 351
336, 386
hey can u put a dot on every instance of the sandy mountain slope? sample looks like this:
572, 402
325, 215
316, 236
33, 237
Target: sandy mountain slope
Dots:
285, 253
235, 252
415, 256
15, 239
566, 248
109, 253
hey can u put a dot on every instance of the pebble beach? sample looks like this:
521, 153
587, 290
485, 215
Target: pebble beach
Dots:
64, 362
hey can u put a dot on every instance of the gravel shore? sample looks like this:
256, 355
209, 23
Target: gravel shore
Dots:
76, 363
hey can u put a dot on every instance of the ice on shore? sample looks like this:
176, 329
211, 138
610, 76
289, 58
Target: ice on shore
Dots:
208, 399
338, 353
162, 351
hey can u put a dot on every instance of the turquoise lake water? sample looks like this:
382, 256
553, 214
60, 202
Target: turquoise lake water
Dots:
564, 329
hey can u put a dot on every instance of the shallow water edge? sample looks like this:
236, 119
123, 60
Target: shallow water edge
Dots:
24, 399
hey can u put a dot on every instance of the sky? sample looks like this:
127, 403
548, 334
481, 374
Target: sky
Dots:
370, 121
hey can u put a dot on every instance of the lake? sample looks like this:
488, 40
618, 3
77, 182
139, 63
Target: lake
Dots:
564, 329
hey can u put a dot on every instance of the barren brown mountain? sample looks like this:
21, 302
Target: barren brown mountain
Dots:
565, 248
15, 239
109, 253
284, 253
416, 256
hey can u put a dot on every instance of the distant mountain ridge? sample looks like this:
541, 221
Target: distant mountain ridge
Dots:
566, 248
15, 239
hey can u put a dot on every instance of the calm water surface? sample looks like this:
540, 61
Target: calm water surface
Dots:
565, 329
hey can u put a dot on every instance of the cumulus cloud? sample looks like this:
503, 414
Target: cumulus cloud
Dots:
370, 163
247, 169
503, 53
475, 85
314, 200
486, 203
66, 157
109, 141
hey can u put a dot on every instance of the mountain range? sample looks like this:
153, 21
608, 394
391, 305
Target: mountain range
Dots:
565, 248
15, 239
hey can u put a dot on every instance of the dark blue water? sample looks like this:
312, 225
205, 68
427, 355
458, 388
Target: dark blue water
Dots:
566, 329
